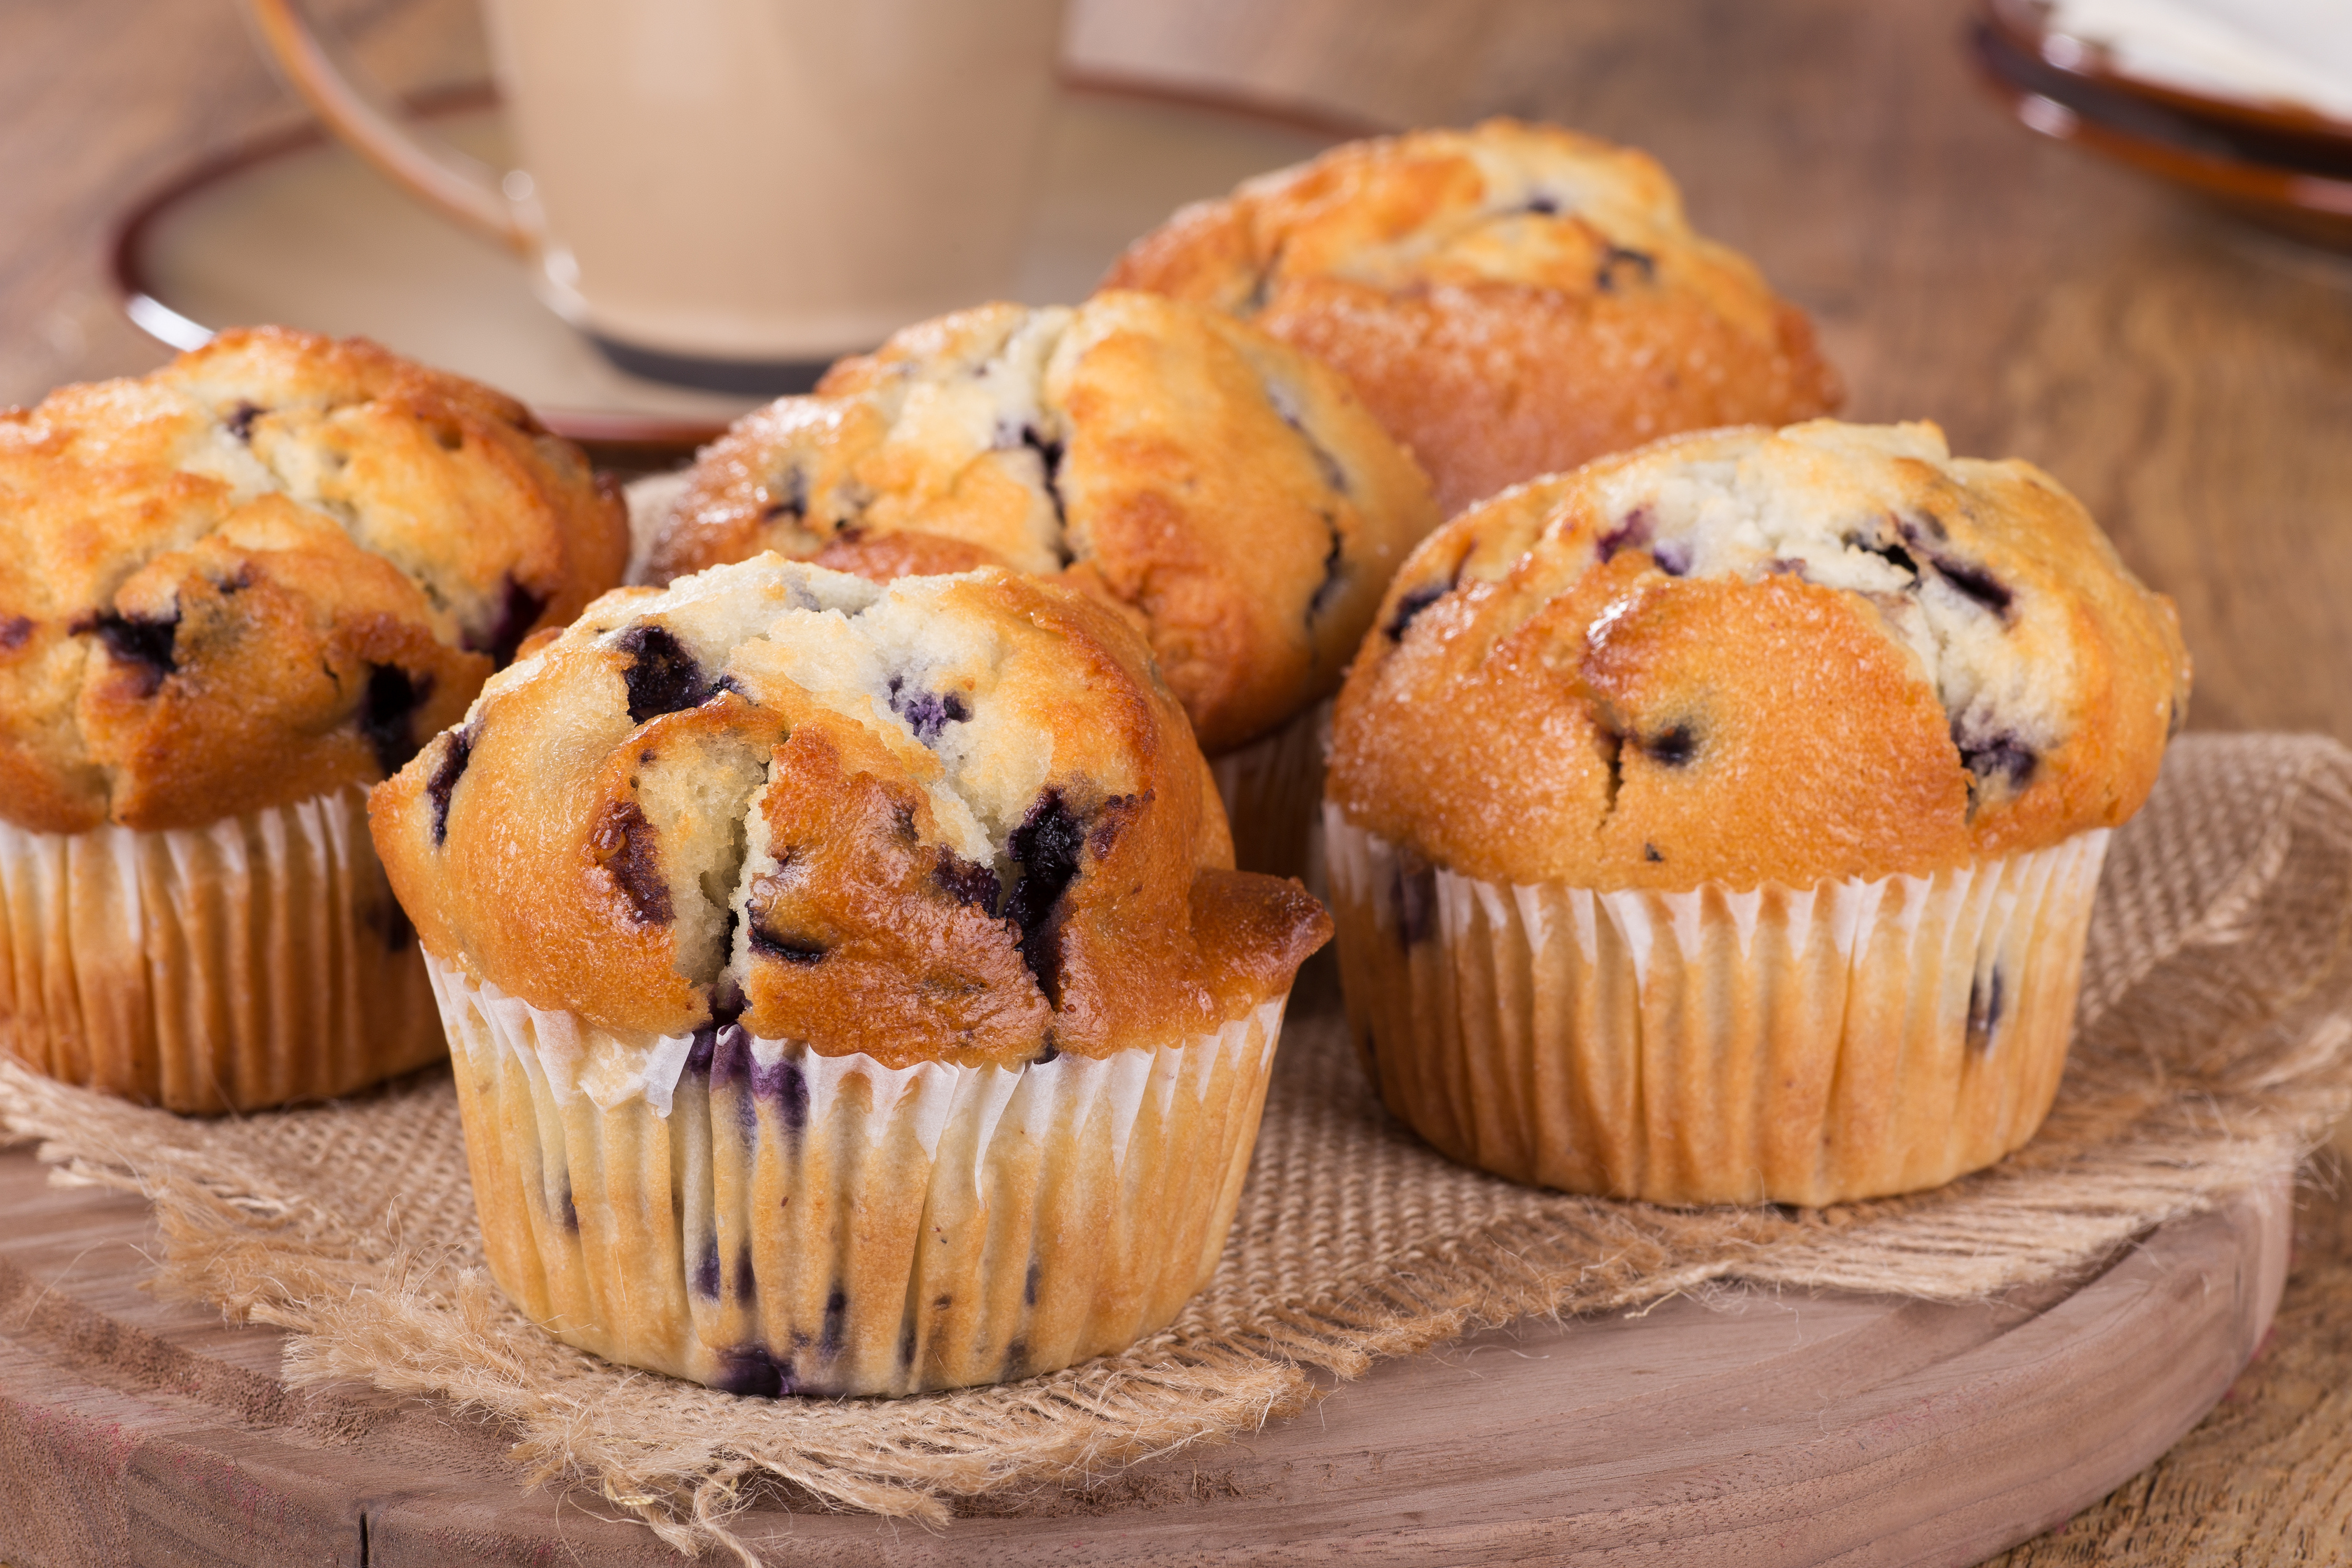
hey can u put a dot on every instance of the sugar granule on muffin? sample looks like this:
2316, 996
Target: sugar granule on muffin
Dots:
779, 865
1510, 300
239, 591
1721, 821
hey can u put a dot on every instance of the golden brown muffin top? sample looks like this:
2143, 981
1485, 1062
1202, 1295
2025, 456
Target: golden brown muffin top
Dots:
953, 819
1510, 300
1745, 657
1229, 494
269, 569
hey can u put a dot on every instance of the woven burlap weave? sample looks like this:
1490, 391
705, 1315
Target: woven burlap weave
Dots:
2211, 1050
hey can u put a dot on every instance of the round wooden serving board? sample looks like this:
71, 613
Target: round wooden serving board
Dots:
1756, 1429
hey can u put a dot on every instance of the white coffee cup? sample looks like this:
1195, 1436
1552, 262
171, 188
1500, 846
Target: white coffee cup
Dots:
731, 192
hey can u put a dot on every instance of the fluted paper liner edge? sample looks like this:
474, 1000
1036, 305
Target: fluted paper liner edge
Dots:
254, 962
769, 1220
1802, 1046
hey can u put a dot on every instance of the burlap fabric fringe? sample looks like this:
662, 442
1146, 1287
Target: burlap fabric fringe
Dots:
2216, 1013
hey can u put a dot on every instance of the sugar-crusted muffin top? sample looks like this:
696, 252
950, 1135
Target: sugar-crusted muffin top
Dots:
1745, 657
955, 818
269, 569
1510, 300
1228, 492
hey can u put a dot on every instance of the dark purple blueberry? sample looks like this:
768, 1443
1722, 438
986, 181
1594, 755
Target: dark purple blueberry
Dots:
1984, 1009
790, 947
704, 1050
1922, 533
444, 782
1334, 573
1997, 756
837, 1318
1675, 747
519, 611
1411, 605
1673, 556
387, 714
1412, 893
967, 882
1632, 533
624, 841
786, 1085
753, 1372
1624, 268
1049, 473
240, 421
926, 713
788, 495
1046, 1052
1029, 1285
1543, 203
1047, 846
662, 676
144, 645
706, 1272
747, 1278
14, 632
1651, 853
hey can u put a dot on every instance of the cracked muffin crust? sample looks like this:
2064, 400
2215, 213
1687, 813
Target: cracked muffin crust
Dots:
1229, 494
1510, 300
1721, 823
848, 987
955, 819
1832, 651
266, 571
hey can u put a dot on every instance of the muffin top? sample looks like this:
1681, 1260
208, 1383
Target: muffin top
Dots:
1510, 300
952, 820
269, 569
1743, 657
1229, 494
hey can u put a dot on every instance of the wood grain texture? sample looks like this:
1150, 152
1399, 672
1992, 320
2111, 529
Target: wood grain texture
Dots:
1751, 1428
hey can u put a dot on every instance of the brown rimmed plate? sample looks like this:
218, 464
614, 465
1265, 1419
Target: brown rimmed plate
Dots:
294, 228
2269, 168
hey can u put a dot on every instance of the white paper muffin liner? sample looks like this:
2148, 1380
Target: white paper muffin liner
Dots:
1273, 791
253, 961
752, 1215
1846, 1041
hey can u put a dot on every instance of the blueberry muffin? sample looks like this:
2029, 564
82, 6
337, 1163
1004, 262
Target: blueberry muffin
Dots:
1510, 300
848, 984
1720, 822
1227, 493
235, 593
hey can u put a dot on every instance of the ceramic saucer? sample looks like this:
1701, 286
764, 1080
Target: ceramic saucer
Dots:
296, 230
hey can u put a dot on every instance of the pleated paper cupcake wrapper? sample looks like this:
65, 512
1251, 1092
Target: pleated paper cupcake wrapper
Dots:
251, 962
1850, 1040
758, 1217
1273, 793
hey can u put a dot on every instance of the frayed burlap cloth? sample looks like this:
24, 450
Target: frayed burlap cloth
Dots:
2217, 1005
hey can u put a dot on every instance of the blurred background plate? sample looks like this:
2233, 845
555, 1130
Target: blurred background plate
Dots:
2285, 169
295, 229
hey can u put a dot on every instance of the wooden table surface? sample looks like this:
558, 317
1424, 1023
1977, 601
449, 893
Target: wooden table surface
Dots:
2191, 380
